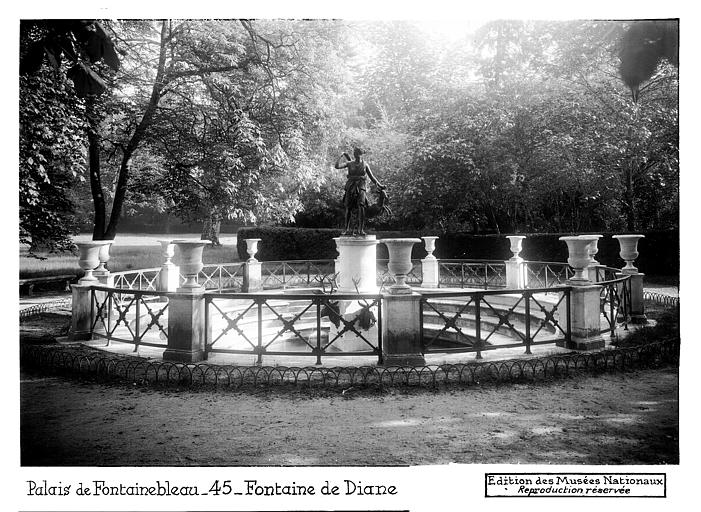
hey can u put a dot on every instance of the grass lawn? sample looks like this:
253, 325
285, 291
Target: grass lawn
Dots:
127, 253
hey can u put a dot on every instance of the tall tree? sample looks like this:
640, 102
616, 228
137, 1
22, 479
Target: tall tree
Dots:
52, 52
52, 159
264, 73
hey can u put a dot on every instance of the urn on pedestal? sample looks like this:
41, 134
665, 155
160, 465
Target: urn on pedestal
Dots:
399, 262
169, 277
430, 244
516, 246
104, 256
90, 258
629, 251
167, 252
252, 248
190, 252
579, 256
593, 248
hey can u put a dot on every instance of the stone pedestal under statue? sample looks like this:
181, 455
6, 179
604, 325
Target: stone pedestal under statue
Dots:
356, 266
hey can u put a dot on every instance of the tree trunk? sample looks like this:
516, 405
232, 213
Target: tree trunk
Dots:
631, 217
98, 196
493, 218
211, 229
137, 137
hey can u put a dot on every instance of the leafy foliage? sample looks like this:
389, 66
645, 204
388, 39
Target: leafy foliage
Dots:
522, 126
76, 43
534, 132
51, 161
236, 114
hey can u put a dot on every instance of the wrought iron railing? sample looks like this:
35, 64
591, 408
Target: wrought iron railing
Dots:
146, 279
292, 324
312, 325
297, 273
83, 361
226, 276
44, 307
138, 317
661, 298
604, 273
615, 299
492, 319
546, 274
471, 274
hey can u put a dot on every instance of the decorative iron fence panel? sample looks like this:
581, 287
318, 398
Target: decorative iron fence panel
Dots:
135, 316
471, 274
73, 360
661, 298
546, 274
297, 274
227, 276
495, 319
615, 300
146, 279
293, 325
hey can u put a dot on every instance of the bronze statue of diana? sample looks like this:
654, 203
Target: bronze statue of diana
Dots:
355, 197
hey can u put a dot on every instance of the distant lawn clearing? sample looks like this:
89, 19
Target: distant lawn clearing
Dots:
129, 251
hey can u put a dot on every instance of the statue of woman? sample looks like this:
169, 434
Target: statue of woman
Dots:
355, 196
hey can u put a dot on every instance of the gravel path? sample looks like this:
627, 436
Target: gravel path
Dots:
629, 418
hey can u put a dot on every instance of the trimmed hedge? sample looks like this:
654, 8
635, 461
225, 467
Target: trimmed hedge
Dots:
278, 243
289, 243
659, 250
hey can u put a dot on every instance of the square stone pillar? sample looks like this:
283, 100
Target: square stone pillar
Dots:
430, 272
105, 278
637, 304
593, 273
585, 311
81, 314
515, 274
401, 330
252, 276
169, 278
186, 327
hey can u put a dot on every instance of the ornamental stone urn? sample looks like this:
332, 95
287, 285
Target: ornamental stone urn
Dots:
169, 277
90, 258
252, 248
399, 264
430, 244
516, 246
593, 248
167, 252
429, 265
190, 252
629, 251
104, 257
579, 259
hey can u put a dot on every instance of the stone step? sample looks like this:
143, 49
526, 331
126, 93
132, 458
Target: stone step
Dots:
489, 321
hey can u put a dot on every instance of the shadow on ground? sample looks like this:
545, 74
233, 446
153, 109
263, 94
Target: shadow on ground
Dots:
629, 418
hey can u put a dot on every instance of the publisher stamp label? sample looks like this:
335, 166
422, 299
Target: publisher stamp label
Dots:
575, 485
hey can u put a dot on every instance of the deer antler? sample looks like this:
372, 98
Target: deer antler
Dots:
332, 283
366, 318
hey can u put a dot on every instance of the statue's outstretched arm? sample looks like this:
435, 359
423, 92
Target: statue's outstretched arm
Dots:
342, 165
372, 177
